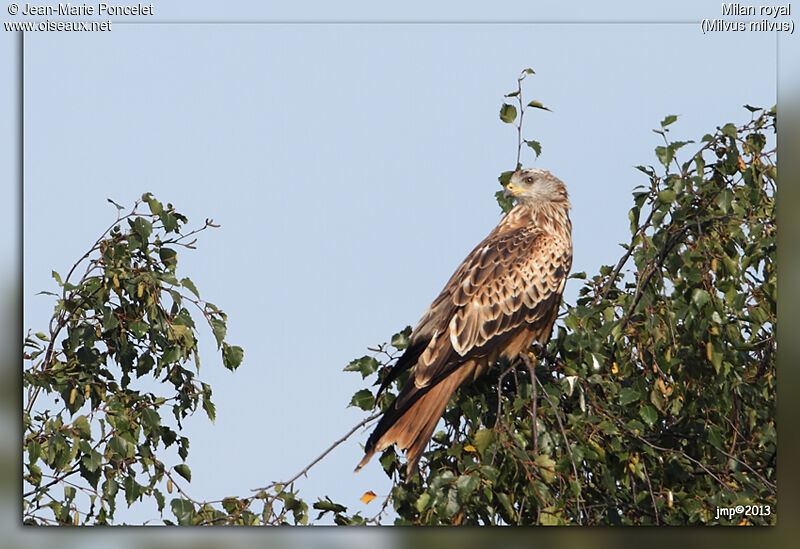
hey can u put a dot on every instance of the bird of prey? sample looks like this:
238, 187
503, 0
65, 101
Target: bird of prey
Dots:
504, 296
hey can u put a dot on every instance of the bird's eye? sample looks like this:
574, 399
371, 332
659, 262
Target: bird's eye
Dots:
529, 179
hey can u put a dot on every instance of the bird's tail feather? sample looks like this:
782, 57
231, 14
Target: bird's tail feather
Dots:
412, 428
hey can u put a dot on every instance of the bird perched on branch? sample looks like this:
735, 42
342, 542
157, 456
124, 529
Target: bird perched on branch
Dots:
503, 297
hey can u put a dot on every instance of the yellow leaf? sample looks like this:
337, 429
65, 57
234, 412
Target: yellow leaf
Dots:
742, 166
470, 448
614, 368
368, 496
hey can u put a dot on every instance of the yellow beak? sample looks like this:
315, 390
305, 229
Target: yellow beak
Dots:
512, 190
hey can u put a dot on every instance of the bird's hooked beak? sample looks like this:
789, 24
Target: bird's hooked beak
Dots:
511, 190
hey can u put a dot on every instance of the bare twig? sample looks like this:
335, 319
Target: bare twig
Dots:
624, 259
534, 429
566, 443
684, 454
305, 469
500, 394
521, 115
650, 487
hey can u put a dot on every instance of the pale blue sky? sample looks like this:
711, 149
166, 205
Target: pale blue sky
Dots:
352, 167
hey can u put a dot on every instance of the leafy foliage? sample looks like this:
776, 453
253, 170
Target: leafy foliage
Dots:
89, 427
655, 401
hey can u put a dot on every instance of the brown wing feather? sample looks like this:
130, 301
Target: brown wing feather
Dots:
507, 282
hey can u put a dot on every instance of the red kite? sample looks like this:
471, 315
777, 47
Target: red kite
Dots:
503, 297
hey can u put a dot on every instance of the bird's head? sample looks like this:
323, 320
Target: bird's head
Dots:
533, 186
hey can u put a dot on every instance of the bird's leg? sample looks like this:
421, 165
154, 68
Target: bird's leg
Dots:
528, 358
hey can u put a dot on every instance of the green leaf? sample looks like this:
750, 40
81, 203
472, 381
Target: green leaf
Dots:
159, 499
219, 328
724, 199
184, 471
142, 227
121, 447
81, 426
363, 399
138, 328
648, 414
700, 297
729, 130
189, 285
667, 196
716, 360
34, 475
132, 490
329, 506
34, 451
756, 142
92, 461
546, 467
57, 277
608, 427
422, 502
400, 339
483, 438
171, 355
538, 105
714, 437
633, 216
505, 177
232, 356
115, 204
183, 511
155, 206
110, 488
169, 257
535, 145
505, 501
664, 155
505, 202
210, 409
169, 220
668, 120
366, 365
151, 419
466, 484
452, 507
629, 395
508, 113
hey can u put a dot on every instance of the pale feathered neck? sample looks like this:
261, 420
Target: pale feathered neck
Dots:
551, 217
